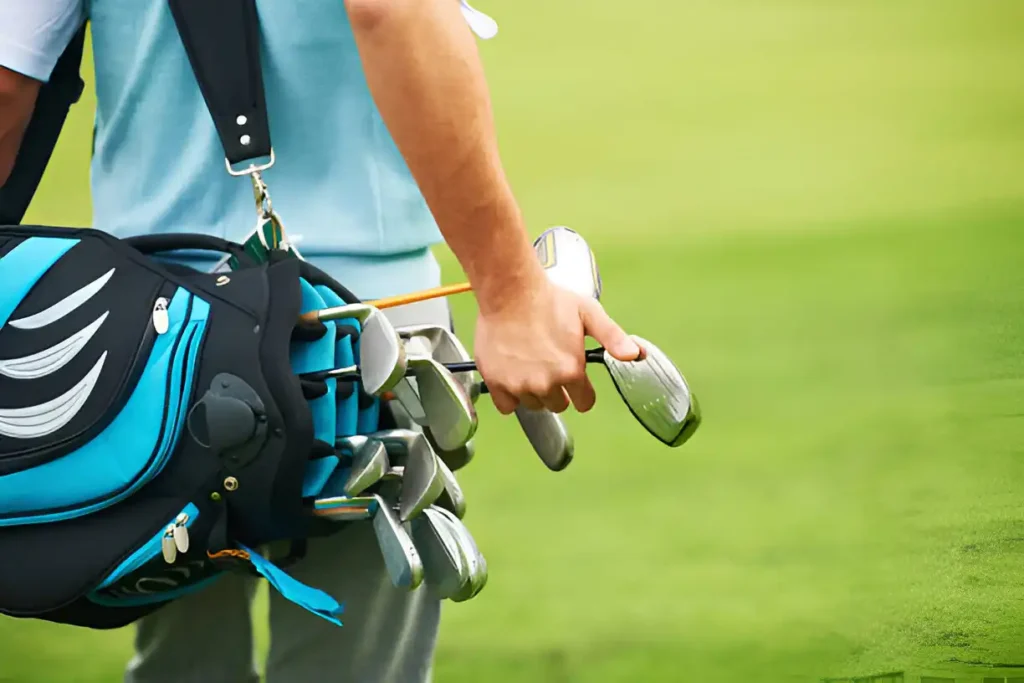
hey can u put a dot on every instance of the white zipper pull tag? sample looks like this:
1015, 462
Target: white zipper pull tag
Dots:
161, 320
167, 545
181, 533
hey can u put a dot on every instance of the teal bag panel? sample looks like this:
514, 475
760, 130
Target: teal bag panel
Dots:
23, 266
315, 356
347, 408
133, 449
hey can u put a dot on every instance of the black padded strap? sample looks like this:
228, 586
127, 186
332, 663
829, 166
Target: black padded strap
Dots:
56, 96
221, 38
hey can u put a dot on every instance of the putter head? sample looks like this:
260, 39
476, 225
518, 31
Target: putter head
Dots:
422, 481
369, 465
452, 498
657, 394
402, 560
549, 436
451, 415
569, 261
475, 561
444, 565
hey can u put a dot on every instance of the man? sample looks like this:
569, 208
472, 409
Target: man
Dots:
383, 134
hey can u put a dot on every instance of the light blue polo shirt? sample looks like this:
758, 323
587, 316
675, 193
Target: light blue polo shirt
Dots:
339, 183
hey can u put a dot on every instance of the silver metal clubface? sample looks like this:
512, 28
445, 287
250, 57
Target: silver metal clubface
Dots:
444, 565
370, 464
401, 558
452, 498
441, 344
657, 394
382, 361
474, 559
450, 414
549, 436
422, 482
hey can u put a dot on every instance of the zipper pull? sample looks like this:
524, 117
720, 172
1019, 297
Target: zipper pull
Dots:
167, 545
161, 320
181, 533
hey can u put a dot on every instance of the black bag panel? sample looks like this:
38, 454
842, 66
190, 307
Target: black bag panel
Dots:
282, 472
7, 243
120, 318
59, 562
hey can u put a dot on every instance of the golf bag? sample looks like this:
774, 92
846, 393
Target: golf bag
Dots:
154, 431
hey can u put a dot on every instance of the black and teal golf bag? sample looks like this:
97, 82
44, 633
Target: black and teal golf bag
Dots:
155, 432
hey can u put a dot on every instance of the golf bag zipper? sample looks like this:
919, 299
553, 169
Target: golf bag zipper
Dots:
183, 357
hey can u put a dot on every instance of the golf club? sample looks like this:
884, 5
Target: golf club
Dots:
382, 354
422, 481
652, 387
369, 463
475, 561
452, 498
444, 565
401, 558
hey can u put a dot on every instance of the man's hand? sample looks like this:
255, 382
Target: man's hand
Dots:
530, 350
17, 100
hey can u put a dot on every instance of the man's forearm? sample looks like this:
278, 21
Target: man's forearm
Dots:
425, 74
17, 99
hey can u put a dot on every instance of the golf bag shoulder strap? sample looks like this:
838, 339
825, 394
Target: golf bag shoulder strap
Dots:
52, 105
221, 38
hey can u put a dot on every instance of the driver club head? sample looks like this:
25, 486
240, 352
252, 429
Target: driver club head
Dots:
444, 565
422, 481
657, 394
382, 361
450, 413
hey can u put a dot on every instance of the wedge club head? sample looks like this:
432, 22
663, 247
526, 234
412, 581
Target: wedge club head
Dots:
657, 394
444, 565
549, 436
382, 361
422, 481
441, 344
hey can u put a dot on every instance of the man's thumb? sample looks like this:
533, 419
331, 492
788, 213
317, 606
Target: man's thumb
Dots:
599, 325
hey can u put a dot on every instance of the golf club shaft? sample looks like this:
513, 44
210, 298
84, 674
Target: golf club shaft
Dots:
351, 372
423, 295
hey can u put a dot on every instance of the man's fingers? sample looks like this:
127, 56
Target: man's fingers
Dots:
582, 394
607, 332
532, 402
557, 401
505, 402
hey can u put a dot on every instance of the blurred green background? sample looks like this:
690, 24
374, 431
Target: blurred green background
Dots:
815, 207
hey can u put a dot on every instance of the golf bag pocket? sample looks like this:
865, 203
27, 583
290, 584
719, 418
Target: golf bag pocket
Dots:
97, 364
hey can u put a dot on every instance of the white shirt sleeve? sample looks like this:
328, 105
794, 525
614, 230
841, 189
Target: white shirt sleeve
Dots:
34, 33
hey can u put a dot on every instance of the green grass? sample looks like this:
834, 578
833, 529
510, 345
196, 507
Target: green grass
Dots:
815, 207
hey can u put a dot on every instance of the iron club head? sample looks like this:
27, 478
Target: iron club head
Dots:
450, 414
369, 465
452, 498
474, 559
422, 481
444, 565
382, 361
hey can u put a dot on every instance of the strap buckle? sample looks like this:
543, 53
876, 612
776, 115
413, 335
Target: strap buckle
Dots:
252, 168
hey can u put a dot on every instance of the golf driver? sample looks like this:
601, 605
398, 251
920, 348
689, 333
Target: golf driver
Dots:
382, 354
445, 567
401, 558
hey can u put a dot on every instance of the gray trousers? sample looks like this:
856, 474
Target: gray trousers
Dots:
389, 634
